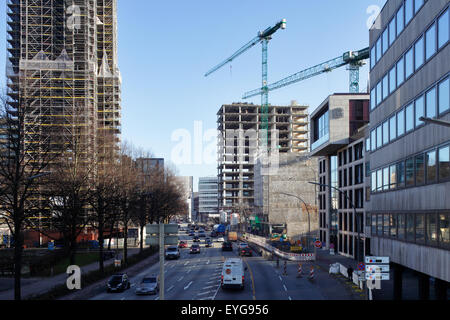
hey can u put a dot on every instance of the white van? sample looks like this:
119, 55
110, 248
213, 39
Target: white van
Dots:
233, 274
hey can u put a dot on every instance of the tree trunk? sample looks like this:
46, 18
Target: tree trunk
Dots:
100, 244
125, 242
18, 252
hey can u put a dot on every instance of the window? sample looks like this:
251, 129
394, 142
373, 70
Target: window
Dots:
386, 132
379, 137
444, 104
408, 11
431, 167
410, 227
420, 169
350, 155
392, 31
392, 80
420, 110
373, 99
393, 177
393, 225
372, 57
430, 39
443, 29
386, 222
409, 113
400, 21
401, 220
444, 231
431, 228
431, 103
400, 72
378, 49
393, 128
345, 177
379, 93
410, 172
350, 176
444, 163
400, 123
373, 182
420, 227
409, 63
386, 178
368, 145
379, 180
373, 140
417, 5
385, 86
380, 225
385, 40
359, 174
419, 51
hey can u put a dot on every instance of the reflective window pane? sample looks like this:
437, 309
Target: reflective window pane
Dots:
420, 110
444, 163
386, 178
379, 94
431, 103
373, 140
392, 80
420, 227
444, 230
386, 224
420, 169
431, 228
379, 180
400, 21
410, 172
417, 5
379, 49
409, 63
419, 53
373, 182
393, 128
430, 39
409, 11
393, 225
393, 177
386, 132
385, 40
401, 174
372, 99
444, 104
401, 226
385, 86
443, 25
409, 117
392, 34
400, 123
400, 72
379, 137
410, 227
372, 57
431, 167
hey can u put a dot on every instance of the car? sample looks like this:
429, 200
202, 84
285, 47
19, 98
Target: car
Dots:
118, 283
213, 234
220, 239
208, 243
195, 248
191, 233
182, 244
208, 239
148, 285
202, 234
246, 251
233, 274
242, 245
172, 252
196, 239
227, 246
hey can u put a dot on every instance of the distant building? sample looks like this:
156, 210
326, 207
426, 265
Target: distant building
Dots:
208, 198
195, 213
187, 183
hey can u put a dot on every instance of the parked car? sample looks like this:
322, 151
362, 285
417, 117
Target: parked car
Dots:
148, 285
227, 246
246, 251
182, 244
118, 283
195, 248
172, 253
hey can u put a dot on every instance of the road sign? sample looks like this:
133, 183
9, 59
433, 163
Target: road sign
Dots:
168, 240
168, 228
361, 267
374, 268
318, 244
377, 276
377, 260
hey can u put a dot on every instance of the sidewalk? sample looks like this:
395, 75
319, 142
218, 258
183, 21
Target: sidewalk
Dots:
37, 286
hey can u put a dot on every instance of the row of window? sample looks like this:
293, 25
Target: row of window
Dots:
351, 154
429, 228
435, 38
403, 16
435, 102
346, 176
426, 168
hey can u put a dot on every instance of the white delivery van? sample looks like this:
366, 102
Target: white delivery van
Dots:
233, 274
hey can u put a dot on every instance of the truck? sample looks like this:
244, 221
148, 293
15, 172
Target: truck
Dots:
232, 236
219, 229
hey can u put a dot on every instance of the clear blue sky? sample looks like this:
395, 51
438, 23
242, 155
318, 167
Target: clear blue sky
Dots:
165, 47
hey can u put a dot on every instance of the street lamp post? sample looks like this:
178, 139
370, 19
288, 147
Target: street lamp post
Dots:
307, 210
358, 257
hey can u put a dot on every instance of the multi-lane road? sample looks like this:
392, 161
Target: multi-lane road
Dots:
197, 277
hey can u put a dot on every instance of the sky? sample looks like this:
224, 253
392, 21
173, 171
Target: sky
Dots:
166, 47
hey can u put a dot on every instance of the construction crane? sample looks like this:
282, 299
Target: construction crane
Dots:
354, 59
264, 37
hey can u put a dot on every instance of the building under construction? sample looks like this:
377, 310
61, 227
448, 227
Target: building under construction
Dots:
240, 138
62, 72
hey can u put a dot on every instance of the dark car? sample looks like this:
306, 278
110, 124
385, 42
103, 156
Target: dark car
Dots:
246, 251
195, 248
227, 246
191, 233
118, 283
208, 243
213, 234
196, 239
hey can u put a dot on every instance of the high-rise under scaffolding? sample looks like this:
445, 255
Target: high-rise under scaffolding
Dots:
62, 70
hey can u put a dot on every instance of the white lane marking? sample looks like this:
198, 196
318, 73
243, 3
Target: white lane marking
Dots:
209, 287
122, 299
290, 298
204, 293
208, 262
281, 279
212, 281
170, 288
186, 263
157, 298
133, 284
187, 287
216, 293
285, 289
189, 271
181, 279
